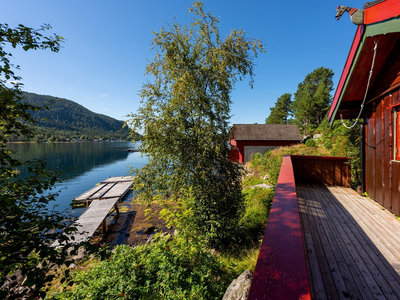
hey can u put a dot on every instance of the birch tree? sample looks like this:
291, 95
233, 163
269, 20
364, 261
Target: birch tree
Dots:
184, 121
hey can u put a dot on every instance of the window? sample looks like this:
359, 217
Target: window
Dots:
396, 132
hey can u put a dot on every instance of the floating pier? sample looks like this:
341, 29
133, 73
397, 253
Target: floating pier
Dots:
103, 201
113, 187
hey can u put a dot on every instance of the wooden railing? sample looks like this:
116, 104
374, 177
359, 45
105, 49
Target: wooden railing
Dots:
323, 169
281, 270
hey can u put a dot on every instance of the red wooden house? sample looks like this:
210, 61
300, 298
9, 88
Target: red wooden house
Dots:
247, 139
369, 87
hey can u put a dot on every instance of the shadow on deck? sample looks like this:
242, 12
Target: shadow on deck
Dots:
352, 245
323, 241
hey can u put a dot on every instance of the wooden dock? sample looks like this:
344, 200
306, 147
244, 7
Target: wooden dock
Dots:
113, 187
103, 200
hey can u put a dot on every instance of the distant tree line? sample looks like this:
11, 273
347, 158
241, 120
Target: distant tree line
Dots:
63, 120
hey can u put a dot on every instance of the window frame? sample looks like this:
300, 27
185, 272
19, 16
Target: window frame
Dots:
396, 132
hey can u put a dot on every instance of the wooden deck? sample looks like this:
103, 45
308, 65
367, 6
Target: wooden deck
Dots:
352, 244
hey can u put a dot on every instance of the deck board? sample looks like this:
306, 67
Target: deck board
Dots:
337, 264
355, 238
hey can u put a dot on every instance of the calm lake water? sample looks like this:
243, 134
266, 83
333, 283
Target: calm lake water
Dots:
86, 164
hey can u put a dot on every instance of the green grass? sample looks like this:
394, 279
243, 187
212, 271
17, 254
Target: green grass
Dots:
252, 180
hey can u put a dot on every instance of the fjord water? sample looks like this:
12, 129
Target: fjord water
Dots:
85, 164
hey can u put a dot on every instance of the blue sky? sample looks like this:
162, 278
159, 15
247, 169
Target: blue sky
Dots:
102, 64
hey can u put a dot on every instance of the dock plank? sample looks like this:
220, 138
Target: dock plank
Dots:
102, 193
90, 220
119, 179
86, 195
118, 189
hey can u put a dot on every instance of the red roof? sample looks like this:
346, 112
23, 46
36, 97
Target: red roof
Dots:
382, 11
381, 24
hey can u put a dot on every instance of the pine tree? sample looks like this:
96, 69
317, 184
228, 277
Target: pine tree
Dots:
280, 113
312, 99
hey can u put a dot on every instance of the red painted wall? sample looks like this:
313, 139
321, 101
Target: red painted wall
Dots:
239, 145
382, 176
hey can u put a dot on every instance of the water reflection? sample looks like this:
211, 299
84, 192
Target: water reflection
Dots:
92, 162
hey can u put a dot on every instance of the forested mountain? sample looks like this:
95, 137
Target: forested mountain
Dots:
65, 119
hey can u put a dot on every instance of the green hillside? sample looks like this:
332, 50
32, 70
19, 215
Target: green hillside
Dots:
65, 119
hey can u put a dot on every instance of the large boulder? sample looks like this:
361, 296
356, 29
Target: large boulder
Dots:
240, 287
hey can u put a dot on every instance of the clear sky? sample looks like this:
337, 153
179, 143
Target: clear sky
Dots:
101, 66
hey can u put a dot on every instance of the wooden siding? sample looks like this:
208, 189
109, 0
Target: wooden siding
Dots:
326, 170
382, 172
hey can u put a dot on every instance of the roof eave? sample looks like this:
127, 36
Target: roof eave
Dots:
357, 41
357, 50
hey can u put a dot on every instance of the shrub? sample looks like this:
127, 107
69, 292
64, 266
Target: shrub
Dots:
269, 163
328, 144
311, 143
165, 269
274, 167
260, 161
252, 180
